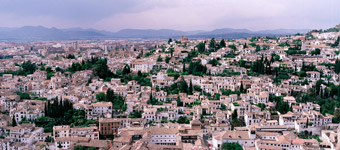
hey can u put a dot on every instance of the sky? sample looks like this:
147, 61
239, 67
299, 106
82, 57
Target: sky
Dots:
186, 15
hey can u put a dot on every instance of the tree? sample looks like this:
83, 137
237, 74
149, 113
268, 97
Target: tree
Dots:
152, 100
200, 47
213, 62
223, 107
126, 70
14, 122
183, 86
197, 88
336, 118
183, 68
196, 68
212, 44
282, 107
23, 95
135, 114
234, 114
183, 119
222, 43
102, 70
245, 45
92, 148
337, 66
337, 113
159, 59
318, 87
317, 51
110, 95
58, 69
231, 146
233, 47
70, 56
190, 91
261, 105
179, 102
167, 59
59, 145
258, 48
336, 43
171, 50
241, 88
217, 96
101, 97
79, 147
169, 41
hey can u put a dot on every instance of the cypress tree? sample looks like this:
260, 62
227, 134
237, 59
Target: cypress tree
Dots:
150, 98
337, 66
222, 43
183, 70
241, 88
14, 122
272, 59
234, 114
45, 109
48, 108
212, 44
190, 88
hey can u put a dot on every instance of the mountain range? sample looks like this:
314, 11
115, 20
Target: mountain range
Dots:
33, 33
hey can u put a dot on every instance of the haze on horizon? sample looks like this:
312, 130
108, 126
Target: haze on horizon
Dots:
186, 15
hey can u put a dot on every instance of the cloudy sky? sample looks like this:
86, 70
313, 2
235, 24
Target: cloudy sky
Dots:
114, 15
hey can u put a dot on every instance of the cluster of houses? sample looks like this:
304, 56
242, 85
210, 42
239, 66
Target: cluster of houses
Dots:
203, 119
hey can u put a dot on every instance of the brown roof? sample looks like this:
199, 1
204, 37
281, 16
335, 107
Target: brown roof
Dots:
157, 130
234, 135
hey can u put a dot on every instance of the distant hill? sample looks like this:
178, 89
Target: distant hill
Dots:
284, 31
149, 33
31, 33
224, 31
43, 33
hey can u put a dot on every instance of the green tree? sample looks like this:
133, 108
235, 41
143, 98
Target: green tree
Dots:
171, 50
101, 97
79, 147
258, 48
14, 122
167, 59
234, 114
183, 68
213, 62
169, 41
222, 43
196, 68
200, 47
212, 44
223, 107
191, 88
233, 47
159, 59
183, 119
241, 88
102, 70
135, 114
59, 145
110, 96
70, 56
183, 86
126, 69
231, 146
337, 66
